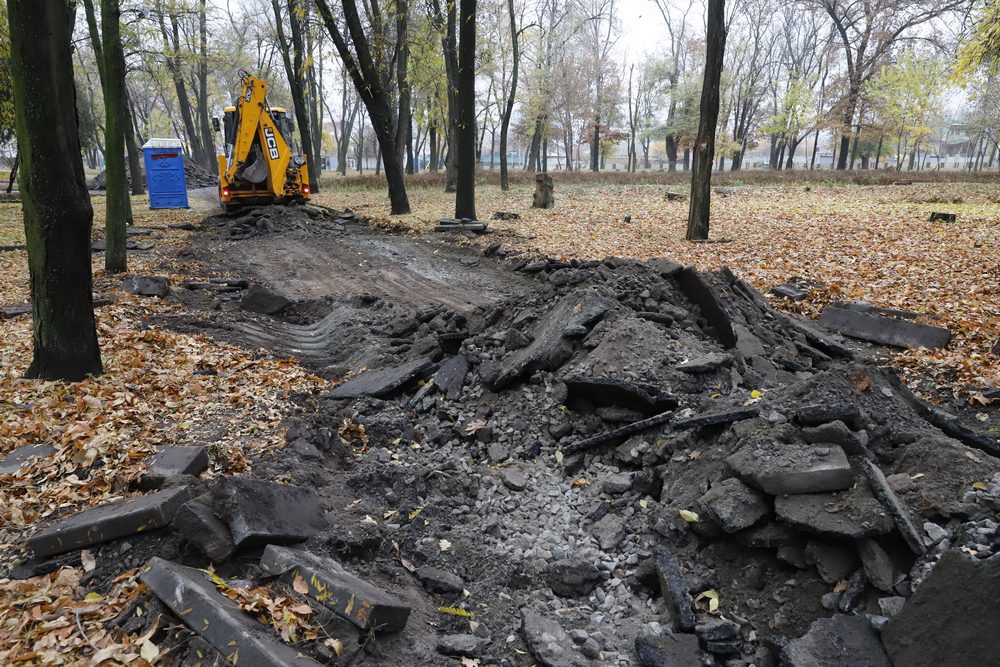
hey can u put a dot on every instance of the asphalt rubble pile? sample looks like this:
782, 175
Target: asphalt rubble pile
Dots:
301, 220
636, 464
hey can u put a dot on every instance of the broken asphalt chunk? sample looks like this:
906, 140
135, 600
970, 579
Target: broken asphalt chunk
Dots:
700, 293
733, 505
618, 433
899, 512
573, 315
197, 522
382, 382
816, 415
260, 299
258, 512
169, 462
548, 642
714, 419
884, 330
146, 286
955, 429
240, 638
439, 581
18, 457
952, 618
110, 522
451, 376
779, 469
609, 391
674, 590
706, 363
854, 513
840, 641
361, 603
667, 650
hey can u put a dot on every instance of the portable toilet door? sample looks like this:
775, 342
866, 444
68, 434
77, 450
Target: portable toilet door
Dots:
165, 179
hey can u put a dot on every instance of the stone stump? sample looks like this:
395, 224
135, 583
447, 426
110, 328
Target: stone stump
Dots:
543, 192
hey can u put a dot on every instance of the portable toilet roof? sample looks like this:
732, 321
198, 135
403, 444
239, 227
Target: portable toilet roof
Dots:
169, 142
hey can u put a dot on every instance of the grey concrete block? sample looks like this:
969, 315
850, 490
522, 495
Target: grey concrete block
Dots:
109, 522
171, 462
217, 619
361, 603
259, 512
884, 330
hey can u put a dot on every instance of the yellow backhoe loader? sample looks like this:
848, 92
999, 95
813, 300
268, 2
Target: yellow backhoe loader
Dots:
258, 166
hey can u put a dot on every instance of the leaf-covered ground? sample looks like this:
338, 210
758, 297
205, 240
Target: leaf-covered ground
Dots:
159, 388
163, 387
858, 242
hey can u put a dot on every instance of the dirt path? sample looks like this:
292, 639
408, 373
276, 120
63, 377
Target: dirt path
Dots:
403, 270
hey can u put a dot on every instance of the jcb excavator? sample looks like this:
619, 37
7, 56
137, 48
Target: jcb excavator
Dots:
259, 167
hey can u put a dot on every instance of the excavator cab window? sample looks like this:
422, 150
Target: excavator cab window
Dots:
229, 124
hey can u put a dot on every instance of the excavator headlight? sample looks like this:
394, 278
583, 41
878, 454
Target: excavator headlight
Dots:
225, 192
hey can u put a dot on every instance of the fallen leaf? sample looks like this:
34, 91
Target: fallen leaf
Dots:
444, 544
87, 560
149, 651
688, 515
299, 585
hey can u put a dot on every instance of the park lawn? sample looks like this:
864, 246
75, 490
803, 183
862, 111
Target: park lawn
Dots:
859, 242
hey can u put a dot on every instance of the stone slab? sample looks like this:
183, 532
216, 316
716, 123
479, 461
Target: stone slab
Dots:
146, 286
952, 618
8, 312
451, 376
18, 457
854, 513
169, 462
196, 521
700, 293
840, 641
884, 330
258, 512
382, 382
260, 299
361, 603
779, 469
110, 522
706, 363
218, 620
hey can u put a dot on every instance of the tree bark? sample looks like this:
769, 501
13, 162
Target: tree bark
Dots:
204, 126
117, 190
701, 172
465, 191
56, 207
171, 50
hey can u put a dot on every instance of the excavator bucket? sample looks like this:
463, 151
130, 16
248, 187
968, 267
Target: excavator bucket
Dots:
254, 169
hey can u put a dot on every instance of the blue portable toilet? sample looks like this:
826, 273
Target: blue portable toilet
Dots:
165, 173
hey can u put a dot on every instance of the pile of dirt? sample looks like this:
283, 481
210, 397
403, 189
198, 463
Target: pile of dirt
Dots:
628, 463
300, 220
197, 176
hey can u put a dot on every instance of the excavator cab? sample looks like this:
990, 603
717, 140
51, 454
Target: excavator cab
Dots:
258, 166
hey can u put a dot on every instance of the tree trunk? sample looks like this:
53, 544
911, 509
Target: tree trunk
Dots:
595, 146
13, 172
171, 48
373, 93
205, 127
132, 151
55, 204
508, 110
465, 191
117, 192
402, 81
433, 141
853, 94
701, 172
670, 144
293, 57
